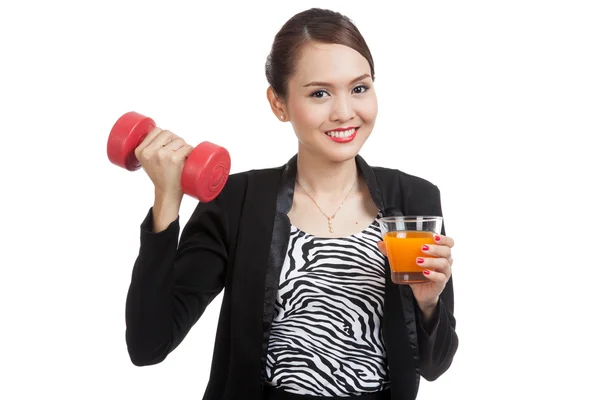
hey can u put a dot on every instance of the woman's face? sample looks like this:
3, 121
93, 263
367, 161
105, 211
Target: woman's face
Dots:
332, 104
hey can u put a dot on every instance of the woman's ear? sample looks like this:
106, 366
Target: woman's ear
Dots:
277, 106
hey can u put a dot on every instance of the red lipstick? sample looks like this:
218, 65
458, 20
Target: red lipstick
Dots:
344, 139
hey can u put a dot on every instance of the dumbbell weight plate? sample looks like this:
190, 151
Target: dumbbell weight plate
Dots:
126, 135
205, 171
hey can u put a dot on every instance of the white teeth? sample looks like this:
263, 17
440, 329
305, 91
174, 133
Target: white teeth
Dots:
342, 134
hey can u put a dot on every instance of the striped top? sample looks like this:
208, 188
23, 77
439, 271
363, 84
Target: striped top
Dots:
326, 337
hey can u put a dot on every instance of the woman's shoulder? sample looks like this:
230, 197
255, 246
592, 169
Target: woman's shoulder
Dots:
240, 183
240, 179
411, 193
253, 186
392, 176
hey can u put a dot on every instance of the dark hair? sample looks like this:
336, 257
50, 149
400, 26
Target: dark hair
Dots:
313, 25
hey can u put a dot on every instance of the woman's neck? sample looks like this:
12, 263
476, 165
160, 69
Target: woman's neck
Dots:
324, 178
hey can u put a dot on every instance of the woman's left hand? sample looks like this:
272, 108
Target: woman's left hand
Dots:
437, 268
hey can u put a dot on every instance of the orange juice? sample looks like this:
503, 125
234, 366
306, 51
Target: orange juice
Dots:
403, 248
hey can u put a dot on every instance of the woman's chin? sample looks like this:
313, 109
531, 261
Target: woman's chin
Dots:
342, 153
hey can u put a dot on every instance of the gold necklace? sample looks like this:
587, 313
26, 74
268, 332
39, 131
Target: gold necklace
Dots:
329, 219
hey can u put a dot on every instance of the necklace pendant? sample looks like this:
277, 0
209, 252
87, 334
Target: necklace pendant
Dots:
329, 225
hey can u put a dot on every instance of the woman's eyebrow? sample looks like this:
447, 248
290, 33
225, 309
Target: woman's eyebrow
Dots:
326, 84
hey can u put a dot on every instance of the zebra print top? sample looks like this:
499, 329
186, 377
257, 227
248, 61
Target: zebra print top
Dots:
326, 337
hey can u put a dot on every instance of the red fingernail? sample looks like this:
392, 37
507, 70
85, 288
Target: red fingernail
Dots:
420, 260
425, 247
426, 272
437, 238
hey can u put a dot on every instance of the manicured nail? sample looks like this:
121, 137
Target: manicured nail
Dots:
425, 247
420, 260
437, 238
426, 272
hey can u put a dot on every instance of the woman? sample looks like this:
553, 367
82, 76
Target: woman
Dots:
309, 310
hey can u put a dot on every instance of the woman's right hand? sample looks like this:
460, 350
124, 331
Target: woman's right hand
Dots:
162, 155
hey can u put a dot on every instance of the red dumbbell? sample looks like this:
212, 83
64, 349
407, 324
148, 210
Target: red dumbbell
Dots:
205, 171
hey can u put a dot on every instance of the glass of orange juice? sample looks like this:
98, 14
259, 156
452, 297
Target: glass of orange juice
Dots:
404, 237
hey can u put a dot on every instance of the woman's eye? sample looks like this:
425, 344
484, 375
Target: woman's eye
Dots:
318, 94
360, 89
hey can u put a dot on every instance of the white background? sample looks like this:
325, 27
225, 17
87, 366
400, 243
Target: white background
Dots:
497, 103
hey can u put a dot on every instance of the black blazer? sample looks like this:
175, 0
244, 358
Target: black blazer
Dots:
237, 243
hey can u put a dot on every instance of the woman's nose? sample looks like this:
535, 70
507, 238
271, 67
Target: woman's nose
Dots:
343, 109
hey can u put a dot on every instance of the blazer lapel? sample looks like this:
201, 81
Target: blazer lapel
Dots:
399, 324
259, 249
279, 242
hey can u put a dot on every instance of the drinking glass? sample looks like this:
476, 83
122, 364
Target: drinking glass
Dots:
403, 237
